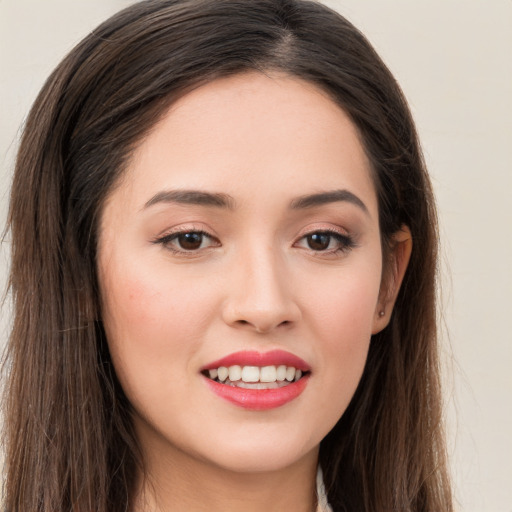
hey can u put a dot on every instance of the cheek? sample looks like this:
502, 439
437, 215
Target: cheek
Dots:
346, 326
342, 317
151, 317
344, 307
152, 334
131, 307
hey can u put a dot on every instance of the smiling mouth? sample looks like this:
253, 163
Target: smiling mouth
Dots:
255, 377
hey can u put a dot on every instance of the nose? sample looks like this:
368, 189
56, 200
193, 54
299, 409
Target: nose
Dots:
261, 295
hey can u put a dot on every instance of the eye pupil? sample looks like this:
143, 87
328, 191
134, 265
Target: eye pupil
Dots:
190, 241
318, 241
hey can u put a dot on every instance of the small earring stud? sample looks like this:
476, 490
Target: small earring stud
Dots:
381, 313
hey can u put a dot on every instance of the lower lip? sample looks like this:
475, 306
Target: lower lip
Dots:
258, 399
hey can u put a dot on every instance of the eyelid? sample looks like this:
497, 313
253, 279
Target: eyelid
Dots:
323, 227
184, 227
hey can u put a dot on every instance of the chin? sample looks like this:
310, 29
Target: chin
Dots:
263, 459
247, 447
260, 448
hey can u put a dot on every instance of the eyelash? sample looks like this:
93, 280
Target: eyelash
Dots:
345, 242
167, 240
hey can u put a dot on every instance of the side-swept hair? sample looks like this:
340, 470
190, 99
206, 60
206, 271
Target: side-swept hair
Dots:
70, 444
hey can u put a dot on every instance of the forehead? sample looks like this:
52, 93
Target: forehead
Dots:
252, 132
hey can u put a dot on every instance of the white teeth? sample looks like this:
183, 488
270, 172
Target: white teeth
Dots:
267, 376
290, 373
250, 374
223, 373
235, 373
281, 373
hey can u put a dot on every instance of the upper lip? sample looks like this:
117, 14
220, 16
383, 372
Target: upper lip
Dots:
255, 358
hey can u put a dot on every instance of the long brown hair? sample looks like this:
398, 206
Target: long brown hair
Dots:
69, 439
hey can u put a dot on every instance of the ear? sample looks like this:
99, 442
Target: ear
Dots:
400, 253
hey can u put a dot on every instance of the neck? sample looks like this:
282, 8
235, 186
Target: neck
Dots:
180, 483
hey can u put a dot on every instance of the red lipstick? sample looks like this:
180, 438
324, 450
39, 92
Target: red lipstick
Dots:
259, 399
253, 358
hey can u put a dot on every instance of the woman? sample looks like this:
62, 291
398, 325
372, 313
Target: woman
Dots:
224, 256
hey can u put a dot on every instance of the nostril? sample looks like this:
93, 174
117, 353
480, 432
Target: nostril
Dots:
260, 328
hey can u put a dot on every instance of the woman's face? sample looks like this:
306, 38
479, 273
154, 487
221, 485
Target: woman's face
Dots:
244, 235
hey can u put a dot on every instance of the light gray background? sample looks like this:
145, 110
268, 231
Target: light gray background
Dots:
453, 60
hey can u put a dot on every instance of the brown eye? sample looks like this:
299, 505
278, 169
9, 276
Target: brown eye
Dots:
190, 241
328, 242
318, 241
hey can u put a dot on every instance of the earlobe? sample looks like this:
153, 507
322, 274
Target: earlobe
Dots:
394, 272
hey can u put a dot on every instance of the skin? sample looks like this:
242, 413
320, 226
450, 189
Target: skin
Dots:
255, 283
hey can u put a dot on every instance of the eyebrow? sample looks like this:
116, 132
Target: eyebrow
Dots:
332, 196
195, 197
220, 200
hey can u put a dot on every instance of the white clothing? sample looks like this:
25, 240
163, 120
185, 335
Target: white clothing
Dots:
323, 504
